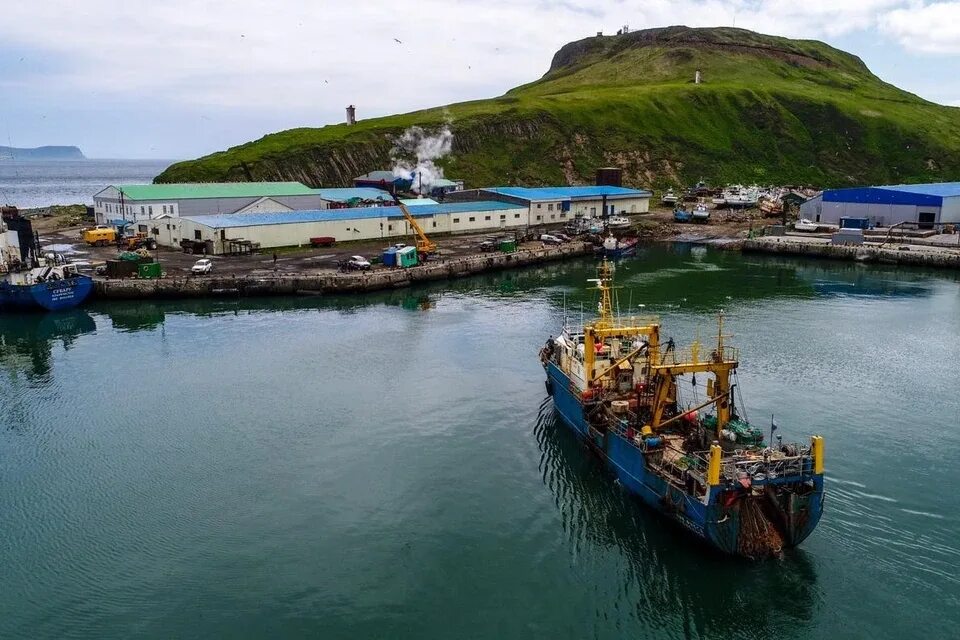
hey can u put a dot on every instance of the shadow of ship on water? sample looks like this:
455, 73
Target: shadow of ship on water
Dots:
669, 579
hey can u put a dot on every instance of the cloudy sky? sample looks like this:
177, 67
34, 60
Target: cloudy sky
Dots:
180, 78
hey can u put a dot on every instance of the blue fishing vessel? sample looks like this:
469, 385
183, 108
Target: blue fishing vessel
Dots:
50, 288
680, 214
683, 449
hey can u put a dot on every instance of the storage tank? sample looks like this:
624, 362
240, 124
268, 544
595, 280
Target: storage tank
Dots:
610, 177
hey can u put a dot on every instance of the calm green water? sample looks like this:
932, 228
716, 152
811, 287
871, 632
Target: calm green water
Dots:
382, 468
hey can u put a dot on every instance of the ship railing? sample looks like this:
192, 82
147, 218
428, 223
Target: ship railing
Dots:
769, 467
686, 355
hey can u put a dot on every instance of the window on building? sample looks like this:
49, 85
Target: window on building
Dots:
550, 207
168, 227
389, 227
538, 205
487, 218
472, 219
196, 234
553, 216
516, 216
593, 211
150, 211
563, 214
503, 217
141, 228
142, 210
434, 224
539, 217
456, 221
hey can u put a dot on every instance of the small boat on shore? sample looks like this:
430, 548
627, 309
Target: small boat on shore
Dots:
669, 198
805, 225
618, 222
680, 214
700, 213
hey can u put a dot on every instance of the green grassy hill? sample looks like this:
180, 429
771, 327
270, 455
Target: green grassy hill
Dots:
769, 110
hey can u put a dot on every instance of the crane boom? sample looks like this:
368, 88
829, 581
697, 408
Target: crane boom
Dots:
425, 246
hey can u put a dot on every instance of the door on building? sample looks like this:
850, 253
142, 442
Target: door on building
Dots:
926, 219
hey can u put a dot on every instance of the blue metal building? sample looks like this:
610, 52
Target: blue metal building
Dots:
926, 205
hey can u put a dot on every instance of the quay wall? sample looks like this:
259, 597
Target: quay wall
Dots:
329, 283
937, 258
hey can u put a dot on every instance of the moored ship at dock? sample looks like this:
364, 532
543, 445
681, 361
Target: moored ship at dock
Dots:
615, 383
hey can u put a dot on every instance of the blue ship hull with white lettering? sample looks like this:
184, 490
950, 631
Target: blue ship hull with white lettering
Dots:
52, 295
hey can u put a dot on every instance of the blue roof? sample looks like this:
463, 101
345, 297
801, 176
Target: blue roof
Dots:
346, 194
908, 194
236, 220
567, 193
941, 189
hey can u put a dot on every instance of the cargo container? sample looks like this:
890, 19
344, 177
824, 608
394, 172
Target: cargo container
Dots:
508, 246
149, 270
407, 257
389, 257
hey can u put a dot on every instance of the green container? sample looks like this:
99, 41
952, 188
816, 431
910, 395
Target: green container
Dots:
149, 270
508, 246
407, 257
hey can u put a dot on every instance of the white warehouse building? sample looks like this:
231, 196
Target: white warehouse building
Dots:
140, 203
554, 205
222, 233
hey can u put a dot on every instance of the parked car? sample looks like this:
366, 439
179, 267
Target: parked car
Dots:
563, 237
547, 238
203, 265
487, 245
358, 263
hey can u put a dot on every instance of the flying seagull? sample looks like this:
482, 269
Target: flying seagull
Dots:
397, 41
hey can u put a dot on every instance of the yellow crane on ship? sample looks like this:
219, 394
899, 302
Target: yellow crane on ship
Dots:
425, 246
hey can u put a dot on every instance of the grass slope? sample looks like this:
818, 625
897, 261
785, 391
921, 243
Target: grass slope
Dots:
769, 110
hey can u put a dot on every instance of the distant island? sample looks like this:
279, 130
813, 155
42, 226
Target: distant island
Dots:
42, 153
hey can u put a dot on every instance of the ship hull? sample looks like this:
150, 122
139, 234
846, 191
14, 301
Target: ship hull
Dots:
45, 296
716, 523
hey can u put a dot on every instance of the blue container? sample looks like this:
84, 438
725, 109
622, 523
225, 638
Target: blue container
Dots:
390, 257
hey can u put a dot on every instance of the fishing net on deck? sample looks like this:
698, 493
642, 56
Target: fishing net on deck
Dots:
758, 537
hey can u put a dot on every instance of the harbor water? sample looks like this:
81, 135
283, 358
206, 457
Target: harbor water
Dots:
389, 465
41, 183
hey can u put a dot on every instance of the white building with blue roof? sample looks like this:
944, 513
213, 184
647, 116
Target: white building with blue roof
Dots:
553, 205
926, 205
294, 228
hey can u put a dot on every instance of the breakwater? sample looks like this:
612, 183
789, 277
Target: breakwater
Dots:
324, 283
926, 257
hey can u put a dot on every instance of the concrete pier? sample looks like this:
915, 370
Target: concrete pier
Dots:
328, 283
917, 256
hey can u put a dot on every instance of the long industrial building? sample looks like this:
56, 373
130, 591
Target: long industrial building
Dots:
226, 232
552, 205
141, 203
925, 205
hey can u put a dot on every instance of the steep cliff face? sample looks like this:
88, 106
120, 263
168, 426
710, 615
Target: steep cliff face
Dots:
769, 110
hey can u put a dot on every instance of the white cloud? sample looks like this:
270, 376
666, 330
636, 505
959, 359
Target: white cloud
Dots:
292, 55
931, 28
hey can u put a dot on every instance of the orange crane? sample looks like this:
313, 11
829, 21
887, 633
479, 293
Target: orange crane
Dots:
425, 246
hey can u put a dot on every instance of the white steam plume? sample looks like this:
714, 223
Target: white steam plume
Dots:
415, 154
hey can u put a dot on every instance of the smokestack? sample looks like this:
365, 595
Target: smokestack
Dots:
352, 114
696, 77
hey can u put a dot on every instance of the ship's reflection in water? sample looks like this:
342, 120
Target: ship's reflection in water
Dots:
669, 579
27, 339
